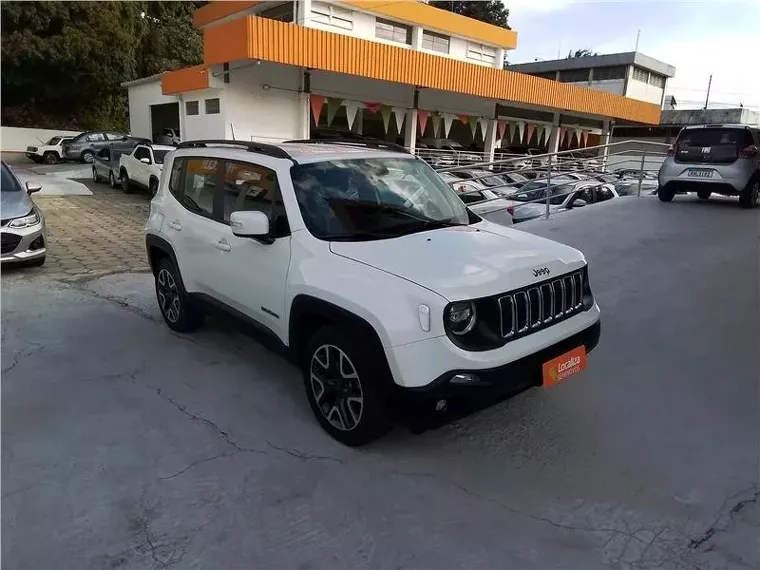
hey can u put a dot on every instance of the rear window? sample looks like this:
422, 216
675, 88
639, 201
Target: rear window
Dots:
711, 145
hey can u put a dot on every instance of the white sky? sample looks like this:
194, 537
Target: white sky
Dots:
698, 38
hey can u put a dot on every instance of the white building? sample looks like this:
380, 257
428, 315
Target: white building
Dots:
630, 74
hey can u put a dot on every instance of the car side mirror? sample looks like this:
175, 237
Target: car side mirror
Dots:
579, 203
145, 160
125, 138
252, 224
32, 187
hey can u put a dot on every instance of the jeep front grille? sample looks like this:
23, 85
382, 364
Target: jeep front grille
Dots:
529, 309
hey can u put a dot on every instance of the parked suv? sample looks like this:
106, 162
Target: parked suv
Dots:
84, 147
723, 159
370, 270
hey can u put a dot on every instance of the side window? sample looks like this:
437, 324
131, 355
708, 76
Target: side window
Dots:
199, 185
114, 136
105, 153
142, 152
252, 187
175, 181
95, 137
603, 194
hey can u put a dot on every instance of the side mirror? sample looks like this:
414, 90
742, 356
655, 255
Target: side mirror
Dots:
579, 203
251, 224
145, 160
125, 138
32, 187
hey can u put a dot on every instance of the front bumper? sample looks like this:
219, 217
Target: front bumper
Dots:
507, 378
19, 245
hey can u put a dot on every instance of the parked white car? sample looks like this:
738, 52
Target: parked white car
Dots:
142, 167
370, 271
50, 152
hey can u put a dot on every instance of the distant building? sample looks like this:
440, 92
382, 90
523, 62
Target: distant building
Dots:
630, 74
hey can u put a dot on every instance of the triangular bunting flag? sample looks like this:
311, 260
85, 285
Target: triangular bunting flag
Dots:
577, 133
562, 133
463, 118
531, 128
422, 117
399, 113
483, 122
448, 119
584, 137
436, 120
333, 105
521, 129
539, 134
473, 122
316, 106
512, 129
385, 111
502, 126
372, 107
351, 108
548, 133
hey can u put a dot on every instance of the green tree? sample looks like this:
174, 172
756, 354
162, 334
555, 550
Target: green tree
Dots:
489, 11
581, 53
63, 62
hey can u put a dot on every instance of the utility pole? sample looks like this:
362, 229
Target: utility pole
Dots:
638, 36
707, 99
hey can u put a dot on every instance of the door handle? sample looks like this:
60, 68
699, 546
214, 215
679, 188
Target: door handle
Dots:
222, 245
174, 225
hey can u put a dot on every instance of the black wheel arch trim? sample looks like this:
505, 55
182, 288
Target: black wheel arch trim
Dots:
153, 241
308, 305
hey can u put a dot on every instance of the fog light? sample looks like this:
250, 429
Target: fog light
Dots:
463, 379
38, 243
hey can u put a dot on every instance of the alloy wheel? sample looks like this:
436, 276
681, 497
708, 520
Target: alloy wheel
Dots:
756, 193
168, 295
336, 387
94, 175
111, 180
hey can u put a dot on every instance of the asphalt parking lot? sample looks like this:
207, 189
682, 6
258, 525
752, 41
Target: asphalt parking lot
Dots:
128, 446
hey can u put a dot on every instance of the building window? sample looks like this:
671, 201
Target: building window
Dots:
212, 106
332, 16
482, 53
607, 73
640, 74
282, 13
393, 31
435, 42
574, 76
657, 80
191, 108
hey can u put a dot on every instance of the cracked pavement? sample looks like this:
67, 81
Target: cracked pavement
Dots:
127, 446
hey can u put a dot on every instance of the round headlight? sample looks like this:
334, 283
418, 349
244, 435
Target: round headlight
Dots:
462, 317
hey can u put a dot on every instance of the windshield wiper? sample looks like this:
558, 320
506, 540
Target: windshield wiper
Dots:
415, 216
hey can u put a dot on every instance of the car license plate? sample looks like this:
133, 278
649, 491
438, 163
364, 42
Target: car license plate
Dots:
564, 366
700, 173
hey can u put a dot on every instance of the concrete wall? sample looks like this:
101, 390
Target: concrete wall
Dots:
361, 89
203, 126
141, 97
644, 91
16, 139
273, 114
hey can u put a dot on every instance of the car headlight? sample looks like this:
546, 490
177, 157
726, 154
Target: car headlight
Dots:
462, 317
26, 221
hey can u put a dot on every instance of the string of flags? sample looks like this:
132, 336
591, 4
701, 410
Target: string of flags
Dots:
441, 122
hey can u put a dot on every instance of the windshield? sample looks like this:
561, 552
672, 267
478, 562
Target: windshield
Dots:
517, 178
490, 181
361, 199
158, 155
8, 182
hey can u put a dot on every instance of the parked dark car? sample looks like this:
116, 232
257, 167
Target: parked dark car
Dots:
105, 165
85, 146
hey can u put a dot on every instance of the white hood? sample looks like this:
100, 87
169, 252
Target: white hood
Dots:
466, 262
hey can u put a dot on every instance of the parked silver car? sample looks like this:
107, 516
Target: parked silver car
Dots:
84, 147
720, 159
105, 165
22, 233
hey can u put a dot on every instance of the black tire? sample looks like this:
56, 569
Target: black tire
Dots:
50, 157
88, 156
153, 187
664, 194
95, 175
112, 180
354, 381
178, 312
750, 196
704, 194
126, 183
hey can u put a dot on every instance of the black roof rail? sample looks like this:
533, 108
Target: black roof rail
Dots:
369, 143
251, 146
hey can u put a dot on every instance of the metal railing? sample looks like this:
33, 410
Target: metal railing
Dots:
614, 171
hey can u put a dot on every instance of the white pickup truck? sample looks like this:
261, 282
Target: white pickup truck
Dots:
142, 167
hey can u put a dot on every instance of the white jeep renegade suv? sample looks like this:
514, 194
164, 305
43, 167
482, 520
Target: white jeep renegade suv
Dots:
360, 260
